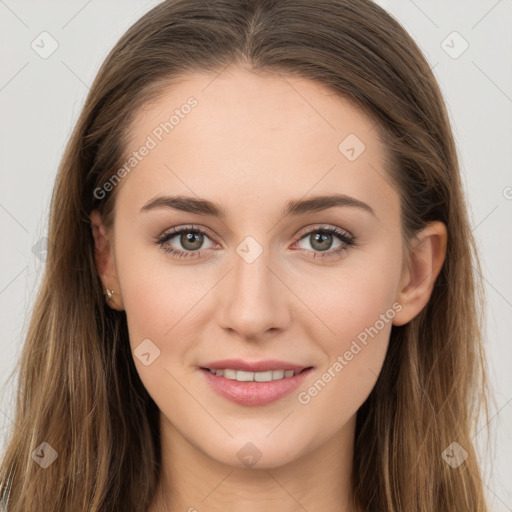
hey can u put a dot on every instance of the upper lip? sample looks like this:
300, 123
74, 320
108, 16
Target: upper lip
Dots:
254, 366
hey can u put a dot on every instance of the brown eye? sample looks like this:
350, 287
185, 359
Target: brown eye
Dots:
191, 241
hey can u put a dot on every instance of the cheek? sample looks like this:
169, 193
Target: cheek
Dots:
351, 298
159, 296
161, 303
356, 306
363, 310
354, 355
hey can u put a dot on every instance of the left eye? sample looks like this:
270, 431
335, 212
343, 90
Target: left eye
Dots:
322, 239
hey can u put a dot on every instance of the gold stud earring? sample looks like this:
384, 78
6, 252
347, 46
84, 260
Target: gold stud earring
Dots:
109, 293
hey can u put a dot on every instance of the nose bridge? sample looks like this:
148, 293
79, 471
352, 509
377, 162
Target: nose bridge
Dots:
254, 301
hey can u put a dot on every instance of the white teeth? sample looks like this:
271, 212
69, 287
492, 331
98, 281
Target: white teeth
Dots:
243, 376
230, 374
265, 376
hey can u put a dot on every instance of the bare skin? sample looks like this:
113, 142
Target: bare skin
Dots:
253, 143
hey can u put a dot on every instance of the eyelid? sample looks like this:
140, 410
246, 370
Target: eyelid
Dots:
188, 227
324, 227
300, 234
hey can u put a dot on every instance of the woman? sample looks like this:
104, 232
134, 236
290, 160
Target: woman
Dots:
262, 290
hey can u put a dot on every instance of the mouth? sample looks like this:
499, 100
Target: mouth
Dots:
254, 384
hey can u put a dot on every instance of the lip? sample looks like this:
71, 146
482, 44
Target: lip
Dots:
254, 366
253, 394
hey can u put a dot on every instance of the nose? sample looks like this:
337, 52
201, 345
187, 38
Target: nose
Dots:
254, 301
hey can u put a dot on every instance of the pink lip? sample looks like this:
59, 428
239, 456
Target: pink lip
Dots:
255, 366
254, 393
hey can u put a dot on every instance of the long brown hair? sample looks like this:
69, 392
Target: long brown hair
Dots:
78, 387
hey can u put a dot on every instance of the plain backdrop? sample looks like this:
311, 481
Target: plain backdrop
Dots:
469, 46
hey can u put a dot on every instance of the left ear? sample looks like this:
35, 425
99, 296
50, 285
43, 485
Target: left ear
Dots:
425, 260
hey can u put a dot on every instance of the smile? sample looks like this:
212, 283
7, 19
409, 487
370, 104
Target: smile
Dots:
254, 388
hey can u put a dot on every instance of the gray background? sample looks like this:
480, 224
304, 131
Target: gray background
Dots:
40, 100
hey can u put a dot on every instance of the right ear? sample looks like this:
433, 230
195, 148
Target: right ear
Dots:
105, 261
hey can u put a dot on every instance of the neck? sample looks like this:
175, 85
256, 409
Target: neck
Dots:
191, 480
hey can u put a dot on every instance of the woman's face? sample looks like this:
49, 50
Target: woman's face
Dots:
262, 283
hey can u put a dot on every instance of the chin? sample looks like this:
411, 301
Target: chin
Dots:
243, 453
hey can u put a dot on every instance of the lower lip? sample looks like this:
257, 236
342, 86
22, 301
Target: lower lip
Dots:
254, 393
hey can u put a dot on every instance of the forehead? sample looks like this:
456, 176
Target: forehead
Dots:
251, 137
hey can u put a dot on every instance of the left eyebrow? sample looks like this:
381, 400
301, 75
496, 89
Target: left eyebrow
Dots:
319, 203
295, 207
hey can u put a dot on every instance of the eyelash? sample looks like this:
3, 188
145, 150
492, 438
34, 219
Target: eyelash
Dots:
346, 239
